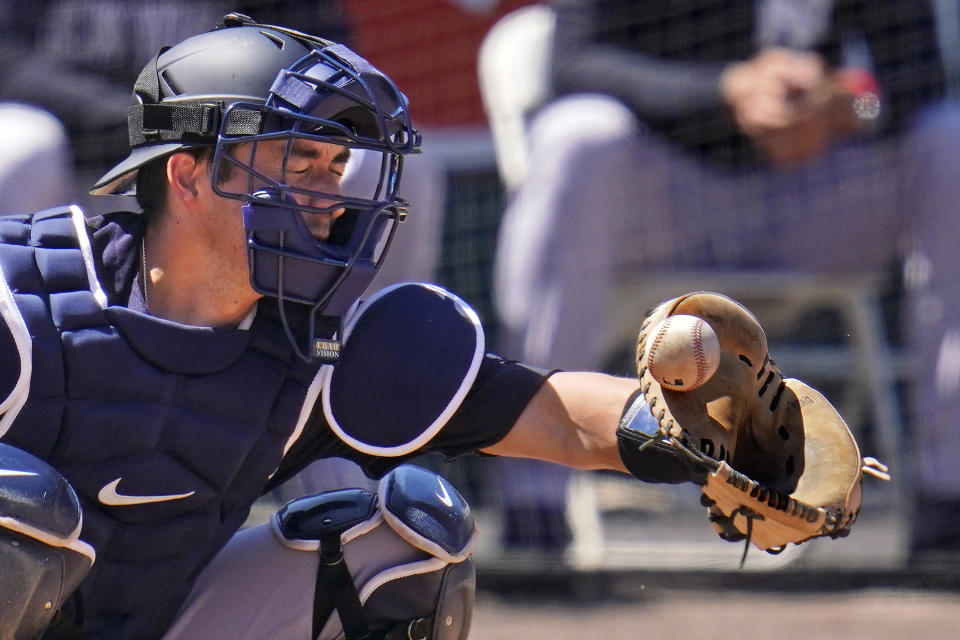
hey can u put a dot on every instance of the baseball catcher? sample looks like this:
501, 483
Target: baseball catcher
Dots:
776, 462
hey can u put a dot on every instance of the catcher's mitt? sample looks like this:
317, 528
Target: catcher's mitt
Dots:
776, 461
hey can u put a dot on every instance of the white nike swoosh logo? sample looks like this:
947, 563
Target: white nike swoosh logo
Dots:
108, 495
9, 473
445, 498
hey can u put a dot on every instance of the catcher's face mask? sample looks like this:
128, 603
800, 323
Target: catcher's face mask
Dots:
317, 229
316, 233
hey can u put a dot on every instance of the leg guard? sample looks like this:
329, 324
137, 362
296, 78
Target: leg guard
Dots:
392, 565
42, 559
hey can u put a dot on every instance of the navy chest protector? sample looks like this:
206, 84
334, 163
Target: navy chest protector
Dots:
169, 433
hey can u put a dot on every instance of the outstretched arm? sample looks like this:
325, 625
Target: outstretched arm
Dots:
572, 420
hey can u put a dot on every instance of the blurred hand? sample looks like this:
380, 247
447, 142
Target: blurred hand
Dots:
787, 103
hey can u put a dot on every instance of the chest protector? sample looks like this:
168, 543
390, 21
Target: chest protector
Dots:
167, 432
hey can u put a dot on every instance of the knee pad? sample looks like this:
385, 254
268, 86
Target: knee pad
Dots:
42, 559
407, 549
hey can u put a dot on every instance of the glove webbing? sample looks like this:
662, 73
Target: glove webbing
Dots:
776, 499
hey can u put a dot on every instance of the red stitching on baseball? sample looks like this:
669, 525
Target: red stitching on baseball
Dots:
698, 353
656, 343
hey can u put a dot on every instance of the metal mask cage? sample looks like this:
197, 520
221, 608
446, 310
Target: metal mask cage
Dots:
336, 84
320, 165
357, 211
295, 130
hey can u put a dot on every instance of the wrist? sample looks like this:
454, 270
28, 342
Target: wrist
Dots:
733, 83
646, 454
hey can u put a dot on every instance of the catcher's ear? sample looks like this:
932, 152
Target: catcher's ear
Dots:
186, 176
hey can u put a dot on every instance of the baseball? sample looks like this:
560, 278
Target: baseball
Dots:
683, 352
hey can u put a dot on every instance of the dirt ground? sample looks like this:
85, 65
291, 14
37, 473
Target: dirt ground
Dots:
670, 578
883, 614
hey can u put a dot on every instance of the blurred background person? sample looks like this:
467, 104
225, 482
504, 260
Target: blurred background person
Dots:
35, 163
809, 136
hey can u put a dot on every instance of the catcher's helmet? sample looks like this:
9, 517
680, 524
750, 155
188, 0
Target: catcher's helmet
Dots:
243, 84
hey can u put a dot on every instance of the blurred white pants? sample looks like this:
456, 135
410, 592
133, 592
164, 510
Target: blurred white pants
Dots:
35, 160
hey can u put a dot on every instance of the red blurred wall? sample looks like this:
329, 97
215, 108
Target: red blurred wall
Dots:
429, 48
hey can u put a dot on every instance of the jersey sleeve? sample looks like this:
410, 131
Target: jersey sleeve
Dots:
499, 394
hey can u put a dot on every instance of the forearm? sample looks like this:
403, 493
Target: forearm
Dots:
587, 58
572, 421
653, 89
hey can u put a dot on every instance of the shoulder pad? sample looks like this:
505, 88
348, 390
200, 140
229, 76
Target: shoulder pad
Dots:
410, 355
